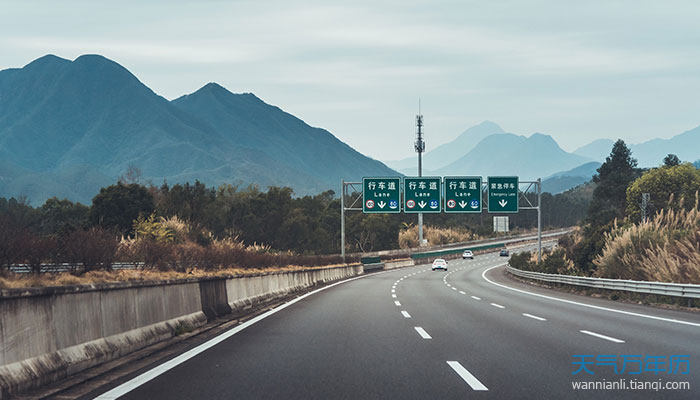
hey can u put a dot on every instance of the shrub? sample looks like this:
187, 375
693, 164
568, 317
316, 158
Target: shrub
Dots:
521, 261
665, 248
408, 236
94, 248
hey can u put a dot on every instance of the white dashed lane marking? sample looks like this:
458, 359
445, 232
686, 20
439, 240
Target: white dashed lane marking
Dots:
598, 335
534, 317
467, 376
422, 332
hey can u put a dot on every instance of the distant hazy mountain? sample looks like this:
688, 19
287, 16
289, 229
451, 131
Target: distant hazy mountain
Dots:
650, 153
449, 152
596, 150
69, 127
508, 154
565, 180
685, 145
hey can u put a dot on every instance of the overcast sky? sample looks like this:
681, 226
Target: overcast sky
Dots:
577, 70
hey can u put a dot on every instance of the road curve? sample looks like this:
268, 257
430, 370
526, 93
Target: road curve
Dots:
414, 333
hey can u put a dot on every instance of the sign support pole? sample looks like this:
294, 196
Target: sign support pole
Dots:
342, 219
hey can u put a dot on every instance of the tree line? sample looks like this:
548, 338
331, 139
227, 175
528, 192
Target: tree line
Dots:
631, 207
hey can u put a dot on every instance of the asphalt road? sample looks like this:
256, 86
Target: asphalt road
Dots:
414, 333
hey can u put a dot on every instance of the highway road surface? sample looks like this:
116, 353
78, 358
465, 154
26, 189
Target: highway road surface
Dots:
413, 333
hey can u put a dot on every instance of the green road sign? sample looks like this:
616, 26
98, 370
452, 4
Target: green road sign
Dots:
462, 194
422, 194
503, 194
380, 195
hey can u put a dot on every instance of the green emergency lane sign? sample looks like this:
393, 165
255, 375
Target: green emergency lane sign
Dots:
503, 194
462, 194
381, 195
422, 195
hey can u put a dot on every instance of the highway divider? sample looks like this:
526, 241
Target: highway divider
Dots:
50, 333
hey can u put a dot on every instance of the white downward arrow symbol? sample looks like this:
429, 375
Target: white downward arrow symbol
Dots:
422, 204
462, 203
503, 203
381, 204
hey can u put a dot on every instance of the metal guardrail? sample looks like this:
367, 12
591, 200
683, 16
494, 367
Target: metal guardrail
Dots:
661, 288
66, 267
464, 245
491, 244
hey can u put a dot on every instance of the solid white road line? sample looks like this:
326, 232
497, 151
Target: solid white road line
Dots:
406, 314
676, 321
467, 376
497, 305
598, 335
476, 298
534, 317
397, 303
422, 332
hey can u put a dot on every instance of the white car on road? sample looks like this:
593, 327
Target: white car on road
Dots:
439, 263
467, 254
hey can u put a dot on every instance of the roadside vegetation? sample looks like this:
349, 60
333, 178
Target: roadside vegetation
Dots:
408, 235
615, 241
195, 229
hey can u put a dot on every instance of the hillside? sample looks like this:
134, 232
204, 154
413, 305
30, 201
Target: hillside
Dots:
652, 152
596, 150
508, 154
69, 127
565, 180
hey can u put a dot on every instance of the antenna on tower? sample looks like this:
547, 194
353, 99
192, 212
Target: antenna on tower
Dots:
420, 148
420, 143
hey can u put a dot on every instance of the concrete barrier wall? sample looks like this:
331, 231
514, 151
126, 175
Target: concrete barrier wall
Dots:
399, 264
49, 333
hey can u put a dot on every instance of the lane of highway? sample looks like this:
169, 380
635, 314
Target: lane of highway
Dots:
416, 333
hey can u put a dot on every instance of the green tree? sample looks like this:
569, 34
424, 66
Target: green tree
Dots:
60, 217
118, 206
681, 181
614, 175
671, 160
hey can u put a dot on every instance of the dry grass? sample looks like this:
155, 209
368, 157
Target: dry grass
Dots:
408, 236
664, 249
16, 281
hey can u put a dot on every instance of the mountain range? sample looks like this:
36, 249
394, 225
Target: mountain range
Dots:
68, 128
488, 150
652, 152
